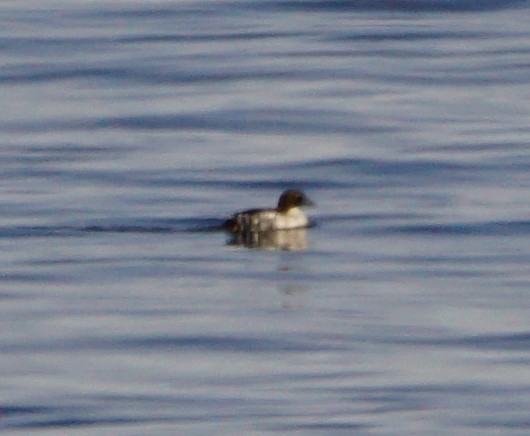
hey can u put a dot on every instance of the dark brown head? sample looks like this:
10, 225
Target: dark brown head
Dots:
293, 198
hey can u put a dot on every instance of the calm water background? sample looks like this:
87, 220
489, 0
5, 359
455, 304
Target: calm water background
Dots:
130, 128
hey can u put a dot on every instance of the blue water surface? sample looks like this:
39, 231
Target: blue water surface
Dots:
131, 130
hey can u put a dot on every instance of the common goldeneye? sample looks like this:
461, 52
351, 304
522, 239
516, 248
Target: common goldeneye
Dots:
287, 215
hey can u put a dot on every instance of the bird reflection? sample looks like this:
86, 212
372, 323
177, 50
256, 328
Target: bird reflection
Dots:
289, 240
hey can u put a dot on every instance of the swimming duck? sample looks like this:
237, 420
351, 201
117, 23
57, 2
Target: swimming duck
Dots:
287, 215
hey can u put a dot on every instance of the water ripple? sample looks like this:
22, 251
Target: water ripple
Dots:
492, 228
234, 344
167, 225
412, 6
250, 121
516, 341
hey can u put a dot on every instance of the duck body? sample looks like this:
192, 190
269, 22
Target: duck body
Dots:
288, 215
264, 220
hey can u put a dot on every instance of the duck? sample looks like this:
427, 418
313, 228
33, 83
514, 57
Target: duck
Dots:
286, 216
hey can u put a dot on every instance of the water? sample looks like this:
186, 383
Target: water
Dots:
130, 130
